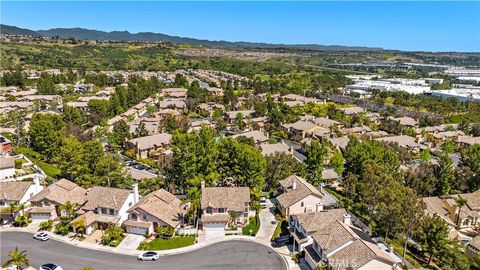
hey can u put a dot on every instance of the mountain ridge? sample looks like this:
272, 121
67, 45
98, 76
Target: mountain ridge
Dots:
91, 34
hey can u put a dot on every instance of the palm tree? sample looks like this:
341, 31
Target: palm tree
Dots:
461, 202
70, 208
79, 226
17, 258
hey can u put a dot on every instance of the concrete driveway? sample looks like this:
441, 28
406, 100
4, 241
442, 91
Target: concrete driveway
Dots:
267, 229
131, 241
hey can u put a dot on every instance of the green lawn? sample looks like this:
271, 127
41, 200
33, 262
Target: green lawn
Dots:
171, 243
35, 157
49, 169
253, 225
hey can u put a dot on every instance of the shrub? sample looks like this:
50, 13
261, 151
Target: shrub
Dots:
63, 227
112, 236
46, 225
165, 231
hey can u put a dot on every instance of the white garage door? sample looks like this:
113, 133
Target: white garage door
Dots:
136, 230
40, 218
214, 230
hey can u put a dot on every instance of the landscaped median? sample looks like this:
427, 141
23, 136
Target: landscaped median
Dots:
160, 243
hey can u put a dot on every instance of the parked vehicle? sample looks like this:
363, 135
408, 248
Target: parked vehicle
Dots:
42, 236
50, 266
263, 202
281, 241
148, 256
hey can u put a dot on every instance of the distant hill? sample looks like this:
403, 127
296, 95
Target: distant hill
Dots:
13, 30
87, 34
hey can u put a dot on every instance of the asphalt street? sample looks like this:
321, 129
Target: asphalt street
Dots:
235, 254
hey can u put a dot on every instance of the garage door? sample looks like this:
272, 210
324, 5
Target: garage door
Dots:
40, 218
136, 230
214, 230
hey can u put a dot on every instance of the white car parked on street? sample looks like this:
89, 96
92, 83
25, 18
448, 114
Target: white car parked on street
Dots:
42, 236
148, 256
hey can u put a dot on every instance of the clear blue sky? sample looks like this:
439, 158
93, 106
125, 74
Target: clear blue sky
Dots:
430, 26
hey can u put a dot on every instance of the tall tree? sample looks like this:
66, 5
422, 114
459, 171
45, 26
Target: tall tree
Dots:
278, 167
432, 236
315, 160
446, 175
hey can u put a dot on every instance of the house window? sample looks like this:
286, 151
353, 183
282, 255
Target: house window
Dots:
145, 217
2, 203
221, 210
302, 204
133, 216
46, 203
104, 211
245, 215
112, 212
209, 210
129, 204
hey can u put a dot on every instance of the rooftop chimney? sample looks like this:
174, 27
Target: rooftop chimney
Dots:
347, 219
136, 197
294, 184
320, 206
36, 184
202, 184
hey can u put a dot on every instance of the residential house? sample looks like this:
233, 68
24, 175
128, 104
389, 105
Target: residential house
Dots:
257, 123
106, 206
341, 246
446, 208
145, 146
467, 141
302, 226
339, 143
173, 103
18, 192
352, 110
5, 145
404, 141
300, 129
47, 203
325, 122
222, 206
232, 115
406, 121
158, 208
298, 196
7, 167
257, 136
175, 92
198, 124
473, 248
272, 148
359, 130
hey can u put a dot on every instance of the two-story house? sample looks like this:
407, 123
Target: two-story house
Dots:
16, 192
341, 246
107, 206
302, 226
158, 208
224, 205
446, 208
298, 196
47, 203
145, 146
